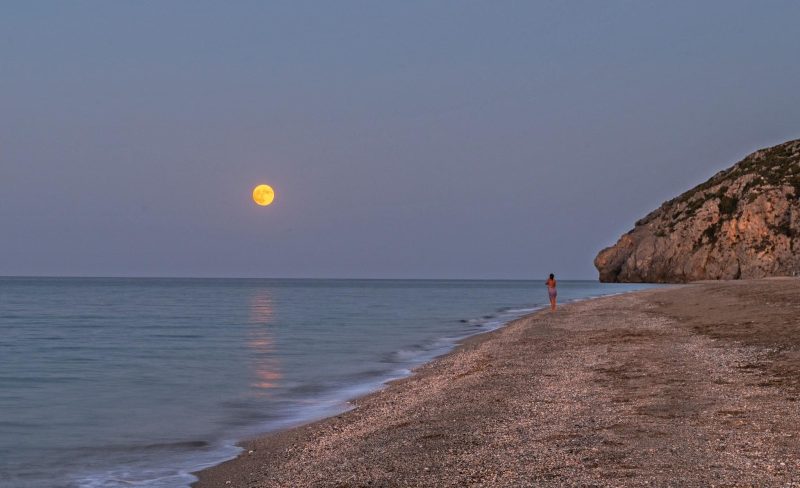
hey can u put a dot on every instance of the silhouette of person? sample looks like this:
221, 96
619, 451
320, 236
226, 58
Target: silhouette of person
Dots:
551, 291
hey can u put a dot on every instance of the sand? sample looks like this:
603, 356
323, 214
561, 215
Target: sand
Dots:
695, 385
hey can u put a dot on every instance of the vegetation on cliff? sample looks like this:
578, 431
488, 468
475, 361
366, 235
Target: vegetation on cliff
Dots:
744, 222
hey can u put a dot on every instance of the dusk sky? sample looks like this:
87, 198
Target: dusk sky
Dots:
403, 139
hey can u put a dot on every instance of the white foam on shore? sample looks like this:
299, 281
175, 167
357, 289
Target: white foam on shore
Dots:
164, 476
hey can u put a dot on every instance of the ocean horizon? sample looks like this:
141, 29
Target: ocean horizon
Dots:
111, 382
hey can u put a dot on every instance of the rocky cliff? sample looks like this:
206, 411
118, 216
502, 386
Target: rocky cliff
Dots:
744, 222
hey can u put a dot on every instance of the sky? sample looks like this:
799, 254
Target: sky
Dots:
447, 139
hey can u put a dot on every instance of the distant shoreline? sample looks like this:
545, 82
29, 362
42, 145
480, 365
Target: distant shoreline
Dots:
656, 386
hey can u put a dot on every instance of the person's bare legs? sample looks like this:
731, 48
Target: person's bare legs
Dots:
552, 304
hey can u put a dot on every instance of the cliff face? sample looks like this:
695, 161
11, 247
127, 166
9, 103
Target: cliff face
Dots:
742, 223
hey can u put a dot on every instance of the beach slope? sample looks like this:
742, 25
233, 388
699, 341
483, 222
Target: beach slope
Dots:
695, 385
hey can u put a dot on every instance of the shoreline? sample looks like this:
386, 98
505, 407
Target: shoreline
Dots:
247, 445
521, 390
350, 402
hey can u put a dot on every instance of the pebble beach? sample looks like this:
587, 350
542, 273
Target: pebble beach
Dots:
694, 385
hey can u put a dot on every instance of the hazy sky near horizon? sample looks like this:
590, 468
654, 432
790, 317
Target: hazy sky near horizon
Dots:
403, 139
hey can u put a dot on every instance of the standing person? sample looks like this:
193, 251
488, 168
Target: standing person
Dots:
551, 290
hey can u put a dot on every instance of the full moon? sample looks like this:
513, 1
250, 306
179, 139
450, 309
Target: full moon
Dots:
263, 195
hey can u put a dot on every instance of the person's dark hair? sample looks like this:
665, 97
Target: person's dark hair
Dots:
552, 276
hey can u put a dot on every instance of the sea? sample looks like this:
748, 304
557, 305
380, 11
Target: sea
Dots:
117, 382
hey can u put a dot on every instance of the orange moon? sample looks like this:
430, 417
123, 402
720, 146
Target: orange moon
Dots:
263, 195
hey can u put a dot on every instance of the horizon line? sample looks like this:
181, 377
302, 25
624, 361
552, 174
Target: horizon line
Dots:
145, 277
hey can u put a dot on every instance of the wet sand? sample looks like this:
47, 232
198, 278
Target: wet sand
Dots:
697, 385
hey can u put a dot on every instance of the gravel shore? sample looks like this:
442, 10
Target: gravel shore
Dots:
695, 385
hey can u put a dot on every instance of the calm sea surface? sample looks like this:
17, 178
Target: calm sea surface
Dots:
139, 382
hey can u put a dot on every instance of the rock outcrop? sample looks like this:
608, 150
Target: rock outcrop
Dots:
744, 222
